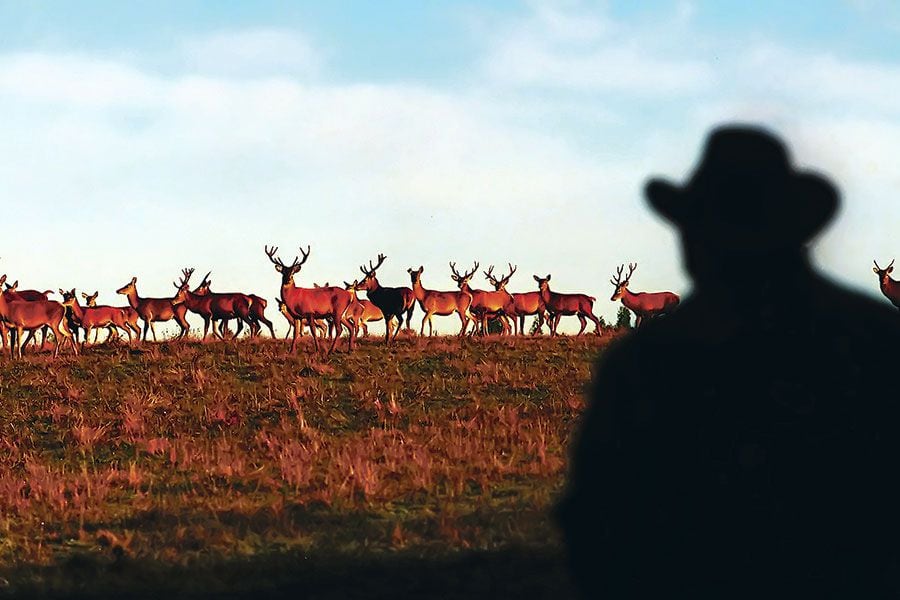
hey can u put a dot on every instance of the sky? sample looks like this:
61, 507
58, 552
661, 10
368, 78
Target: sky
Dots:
137, 139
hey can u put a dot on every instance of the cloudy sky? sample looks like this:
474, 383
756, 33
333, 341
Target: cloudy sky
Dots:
136, 139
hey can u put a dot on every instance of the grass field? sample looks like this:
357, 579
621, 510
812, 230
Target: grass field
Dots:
424, 469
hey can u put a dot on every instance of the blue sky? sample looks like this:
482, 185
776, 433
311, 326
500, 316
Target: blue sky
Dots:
139, 139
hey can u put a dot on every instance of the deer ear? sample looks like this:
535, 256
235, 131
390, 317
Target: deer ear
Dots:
421, 268
875, 270
134, 280
278, 268
536, 278
61, 292
548, 276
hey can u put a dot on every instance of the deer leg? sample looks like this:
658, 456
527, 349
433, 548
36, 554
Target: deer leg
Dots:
153, 329
298, 326
19, 344
268, 324
596, 321
409, 313
311, 324
583, 322
427, 317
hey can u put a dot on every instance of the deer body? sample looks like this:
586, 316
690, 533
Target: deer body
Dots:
528, 303
442, 304
154, 310
644, 305
889, 287
391, 301
123, 317
25, 316
559, 305
361, 312
13, 294
95, 317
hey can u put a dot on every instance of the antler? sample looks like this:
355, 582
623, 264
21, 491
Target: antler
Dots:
631, 268
468, 274
372, 269
186, 276
270, 252
512, 269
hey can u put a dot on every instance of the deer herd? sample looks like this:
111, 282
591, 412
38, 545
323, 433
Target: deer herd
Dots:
323, 310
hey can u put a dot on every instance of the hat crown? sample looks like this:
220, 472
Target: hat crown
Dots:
743, 150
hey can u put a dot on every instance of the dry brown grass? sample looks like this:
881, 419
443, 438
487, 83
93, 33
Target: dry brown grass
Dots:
186, 453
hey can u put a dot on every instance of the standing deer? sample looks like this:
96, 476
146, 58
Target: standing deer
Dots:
321, 325
97, 317
391, 301
129, 316
223, 307
13, 294
559, 305
361, 312
442, 304
499, 303
642, 304
153, 310
23, 316
257, 308
889, 287
310, 303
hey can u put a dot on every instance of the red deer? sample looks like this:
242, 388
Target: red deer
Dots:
490, 301
642, 304
889, 287
153, 310
96, 317
361, 312
310, 303
13, 293
442, 304
223, 307
559, 305
321, 326
23, 316
391, 301
129, 316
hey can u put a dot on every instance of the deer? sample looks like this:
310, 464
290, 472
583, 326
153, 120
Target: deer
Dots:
559, 305
321, 325
442, 304
226, 306
391, 301
310, 303
22, 316
96, 317
499, 303
14, 294
154, 310
644, 305
361, 312
129, 316
889, 287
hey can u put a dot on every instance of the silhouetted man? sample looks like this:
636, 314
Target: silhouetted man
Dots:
746, 445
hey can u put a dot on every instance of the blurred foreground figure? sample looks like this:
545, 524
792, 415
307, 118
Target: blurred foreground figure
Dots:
746, 445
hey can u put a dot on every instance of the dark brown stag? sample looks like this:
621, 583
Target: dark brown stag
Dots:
889, 287
310, 303
154, 310
224, 306
391, 301
559, 305
644, 305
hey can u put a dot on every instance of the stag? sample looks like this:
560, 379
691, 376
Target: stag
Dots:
889, 287
310, 303
498, 303
97, 317
129, 317
223, 307
391, 301
644, 305
22, 316
361, 312
559, 305
442, 304
154, 310
257, 313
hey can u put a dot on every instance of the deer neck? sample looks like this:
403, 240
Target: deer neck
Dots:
77, 310
545, 294
133, 299
629, 300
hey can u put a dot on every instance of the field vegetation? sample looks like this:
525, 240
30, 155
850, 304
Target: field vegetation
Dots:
425, 468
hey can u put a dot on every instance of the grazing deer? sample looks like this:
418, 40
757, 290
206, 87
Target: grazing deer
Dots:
153, 310
642, 304
559, 305
310, 303
25, 316
391, 301
889, 287
13, 294
96, 317
361, 312
129, 316
442, 304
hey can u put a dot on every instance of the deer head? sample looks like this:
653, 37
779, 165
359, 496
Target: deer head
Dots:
128, 288
620, 284
90, 299
883, 273
287, 271
499, 284
369, 282
462, 280
415, 275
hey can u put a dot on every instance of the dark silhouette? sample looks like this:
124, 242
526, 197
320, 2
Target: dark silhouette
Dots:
746, 445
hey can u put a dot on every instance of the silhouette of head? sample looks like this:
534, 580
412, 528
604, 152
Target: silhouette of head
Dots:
744, 200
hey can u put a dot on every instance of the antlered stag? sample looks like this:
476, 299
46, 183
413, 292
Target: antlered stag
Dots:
644, 305
889, 287
559, 305
499, 303
223, 307
442, 304
310, 303
154, 310
391, 301
23, 316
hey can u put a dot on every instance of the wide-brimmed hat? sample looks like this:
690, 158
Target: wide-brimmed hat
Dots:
746, 194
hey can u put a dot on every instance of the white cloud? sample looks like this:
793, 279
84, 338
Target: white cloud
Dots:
254, 52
